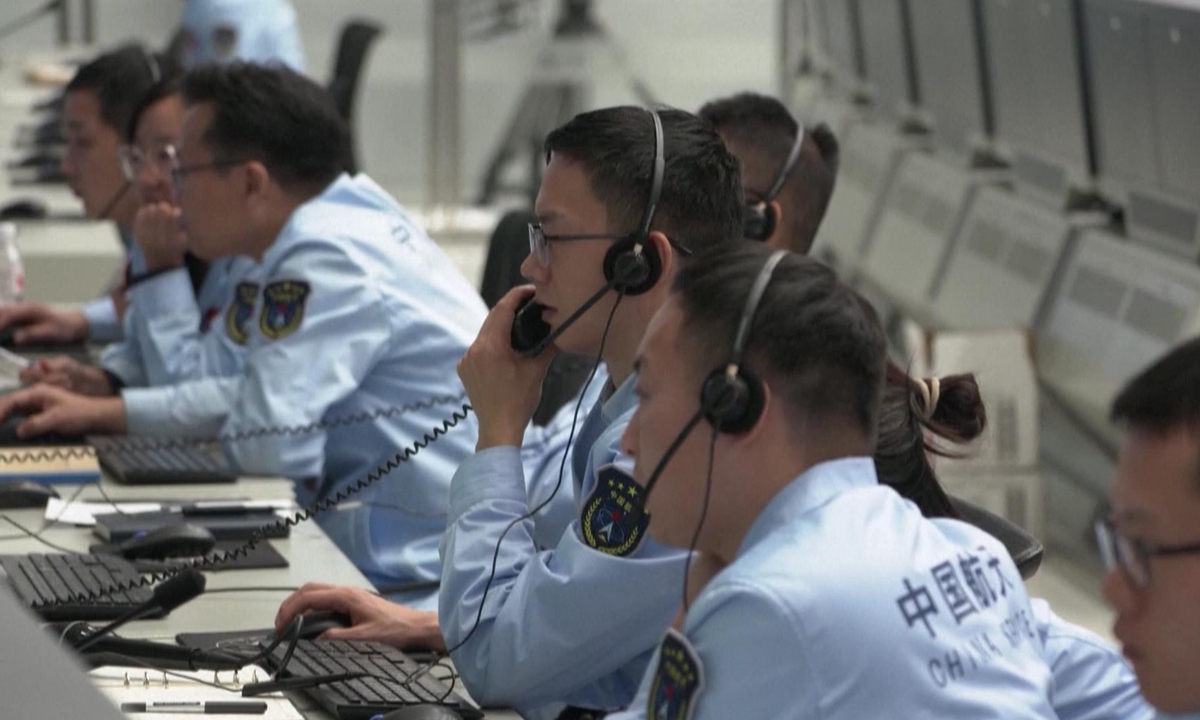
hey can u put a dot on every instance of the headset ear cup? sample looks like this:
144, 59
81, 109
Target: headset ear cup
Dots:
732, 406
632, 273
769, 220
754, 223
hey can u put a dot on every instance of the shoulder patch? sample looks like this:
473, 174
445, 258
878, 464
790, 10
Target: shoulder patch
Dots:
610, 521
678, 679
283, 308
237, 317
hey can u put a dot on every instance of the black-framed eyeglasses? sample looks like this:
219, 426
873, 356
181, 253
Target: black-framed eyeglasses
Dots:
1133, 556
539, 242
178, 172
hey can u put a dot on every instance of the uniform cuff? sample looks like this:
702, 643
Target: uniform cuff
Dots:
102, 320
165, 292
147, 411
491, 474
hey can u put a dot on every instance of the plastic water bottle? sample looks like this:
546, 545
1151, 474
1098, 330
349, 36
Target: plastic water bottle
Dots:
12, 270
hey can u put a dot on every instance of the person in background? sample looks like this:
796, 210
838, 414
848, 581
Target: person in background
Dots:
259, 31
97, 107
762, 134
1151, 539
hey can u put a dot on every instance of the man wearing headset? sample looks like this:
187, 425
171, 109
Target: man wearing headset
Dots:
623, 191
759, 384
97, 106
788, 171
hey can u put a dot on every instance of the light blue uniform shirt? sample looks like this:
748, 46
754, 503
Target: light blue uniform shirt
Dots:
1092, 681
569, 625
353, 310
844, 602
104, 323
167, 328
261, 31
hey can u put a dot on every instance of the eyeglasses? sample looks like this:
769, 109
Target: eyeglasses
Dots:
179, 172
133, 159
539, 242
1133, 556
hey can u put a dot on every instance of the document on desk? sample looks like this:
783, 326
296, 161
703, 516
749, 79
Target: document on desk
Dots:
147, 686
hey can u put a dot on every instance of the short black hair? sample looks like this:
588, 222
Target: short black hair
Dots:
701, 204
165, 88
276, 116
764, 130
1165, 396
814, 340
120, 78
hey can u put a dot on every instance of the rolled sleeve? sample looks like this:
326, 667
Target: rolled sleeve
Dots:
104, 324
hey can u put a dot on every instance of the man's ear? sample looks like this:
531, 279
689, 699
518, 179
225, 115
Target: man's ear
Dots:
777, 240
667, 254
258, 178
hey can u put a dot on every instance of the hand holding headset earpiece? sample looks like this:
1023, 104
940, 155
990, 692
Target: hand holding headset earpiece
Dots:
760, 219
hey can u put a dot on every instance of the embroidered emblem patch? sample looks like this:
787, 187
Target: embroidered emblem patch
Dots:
283, 308
678, 679
237, 317
611, 521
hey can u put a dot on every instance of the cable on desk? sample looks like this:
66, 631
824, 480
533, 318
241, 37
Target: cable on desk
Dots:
280, 524
172, 673
37, 536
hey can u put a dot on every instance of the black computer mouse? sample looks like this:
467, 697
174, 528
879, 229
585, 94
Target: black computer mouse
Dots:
25, 494
318, 621
423, 712
8, 435
175, 540
24, 209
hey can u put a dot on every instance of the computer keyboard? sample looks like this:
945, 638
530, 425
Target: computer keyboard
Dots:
132, 465
364, 698
44, 580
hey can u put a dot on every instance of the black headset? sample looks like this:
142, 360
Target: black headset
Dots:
732, 398
760, 219
632, 265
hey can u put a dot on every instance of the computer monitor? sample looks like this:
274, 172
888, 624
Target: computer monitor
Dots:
1033, 61
1118, 307
887, 55
37, 678
1142, 61
839, 22
949, 65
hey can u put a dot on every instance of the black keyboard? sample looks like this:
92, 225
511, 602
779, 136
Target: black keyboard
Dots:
43, 581
132, 465
364, 698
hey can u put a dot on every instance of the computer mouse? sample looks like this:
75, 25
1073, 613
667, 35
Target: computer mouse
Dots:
318, 621
8, 435
25, 494
423, 712
175, 540
24, 209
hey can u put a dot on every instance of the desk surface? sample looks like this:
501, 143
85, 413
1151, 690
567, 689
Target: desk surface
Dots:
215, 612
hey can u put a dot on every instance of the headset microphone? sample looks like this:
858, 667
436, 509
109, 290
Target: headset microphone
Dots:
112, 204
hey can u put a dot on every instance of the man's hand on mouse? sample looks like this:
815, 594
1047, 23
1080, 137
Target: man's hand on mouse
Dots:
52, 409
373, 618
42, 323
70, 375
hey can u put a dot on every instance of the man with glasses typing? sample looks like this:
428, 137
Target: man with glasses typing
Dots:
1151, 540
348, 311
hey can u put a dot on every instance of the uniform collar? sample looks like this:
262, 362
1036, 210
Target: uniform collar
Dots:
618, 401
343, 184
811, 489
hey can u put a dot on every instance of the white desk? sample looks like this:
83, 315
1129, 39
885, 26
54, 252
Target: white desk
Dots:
322, 561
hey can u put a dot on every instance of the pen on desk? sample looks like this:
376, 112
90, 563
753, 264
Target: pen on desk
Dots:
246, 707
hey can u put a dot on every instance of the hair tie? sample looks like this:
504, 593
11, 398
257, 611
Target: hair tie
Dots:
931, 401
